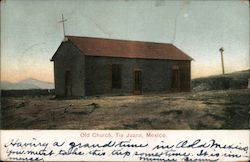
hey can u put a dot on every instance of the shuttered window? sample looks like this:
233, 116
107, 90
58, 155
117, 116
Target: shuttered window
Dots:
116, 76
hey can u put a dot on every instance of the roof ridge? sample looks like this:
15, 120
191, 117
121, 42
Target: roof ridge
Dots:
112, 39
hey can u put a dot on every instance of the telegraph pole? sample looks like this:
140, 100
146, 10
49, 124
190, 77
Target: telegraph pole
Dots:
222, 59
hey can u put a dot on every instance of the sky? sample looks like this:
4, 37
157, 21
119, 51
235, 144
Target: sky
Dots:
31, 32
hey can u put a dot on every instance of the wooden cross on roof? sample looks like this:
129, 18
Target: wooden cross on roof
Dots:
62, 21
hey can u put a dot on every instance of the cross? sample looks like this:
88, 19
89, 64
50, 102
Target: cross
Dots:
62, 21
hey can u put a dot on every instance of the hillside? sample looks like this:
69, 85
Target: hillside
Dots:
235, 80
26, 84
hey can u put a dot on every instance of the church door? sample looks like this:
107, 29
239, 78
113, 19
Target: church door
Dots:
68, 84
137, 82
175, 79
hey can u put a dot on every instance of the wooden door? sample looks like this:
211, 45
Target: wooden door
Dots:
137, 82
68, 84
175, 80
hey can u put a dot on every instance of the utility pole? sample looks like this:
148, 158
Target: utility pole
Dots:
62, 21
222, 59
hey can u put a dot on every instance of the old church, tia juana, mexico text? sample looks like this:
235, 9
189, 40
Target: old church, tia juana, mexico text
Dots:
85, 66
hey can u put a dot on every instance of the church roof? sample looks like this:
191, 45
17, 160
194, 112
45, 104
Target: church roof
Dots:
127, 49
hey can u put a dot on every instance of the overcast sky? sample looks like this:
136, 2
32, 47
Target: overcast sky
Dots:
30, 32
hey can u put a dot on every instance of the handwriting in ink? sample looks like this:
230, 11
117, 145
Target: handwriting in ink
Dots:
186, 150
161, 146
109, 144
213, 144
120, 152
58, 144
17, 143
70, 151
97, 153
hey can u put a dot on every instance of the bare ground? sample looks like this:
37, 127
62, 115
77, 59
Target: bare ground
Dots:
195, 110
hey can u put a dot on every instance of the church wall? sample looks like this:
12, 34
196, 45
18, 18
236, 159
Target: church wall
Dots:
156, 75
69, 58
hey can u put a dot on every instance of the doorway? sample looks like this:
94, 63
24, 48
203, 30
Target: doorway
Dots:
137, 82
68, 84
175, 79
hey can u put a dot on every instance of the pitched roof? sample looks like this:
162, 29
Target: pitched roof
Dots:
127, 49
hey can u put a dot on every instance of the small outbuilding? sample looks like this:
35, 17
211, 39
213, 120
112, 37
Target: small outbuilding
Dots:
85, 66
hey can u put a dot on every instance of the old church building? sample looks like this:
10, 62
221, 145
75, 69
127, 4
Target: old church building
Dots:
86, 66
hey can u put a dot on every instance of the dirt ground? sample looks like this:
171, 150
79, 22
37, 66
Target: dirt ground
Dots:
194, 110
